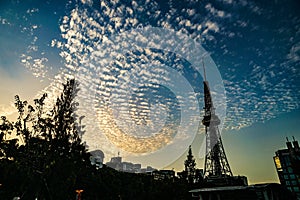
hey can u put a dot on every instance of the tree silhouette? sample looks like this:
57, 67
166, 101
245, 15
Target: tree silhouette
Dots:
190, 167
48, 159
50, 154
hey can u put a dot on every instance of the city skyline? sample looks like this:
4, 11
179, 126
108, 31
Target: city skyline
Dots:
251, 51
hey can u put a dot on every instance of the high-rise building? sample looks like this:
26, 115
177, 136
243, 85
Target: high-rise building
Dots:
287, 165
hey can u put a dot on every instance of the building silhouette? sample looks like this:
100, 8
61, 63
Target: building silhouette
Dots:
96, 158
117, 164
163, 174
267, 191
287, 165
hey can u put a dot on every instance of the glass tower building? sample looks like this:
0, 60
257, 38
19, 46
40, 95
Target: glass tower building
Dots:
287, 163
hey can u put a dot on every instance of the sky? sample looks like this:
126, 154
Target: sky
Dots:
140, 69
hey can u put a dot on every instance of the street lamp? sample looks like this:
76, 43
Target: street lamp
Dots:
78, 196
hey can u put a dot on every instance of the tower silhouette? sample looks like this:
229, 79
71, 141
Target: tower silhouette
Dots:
216, 164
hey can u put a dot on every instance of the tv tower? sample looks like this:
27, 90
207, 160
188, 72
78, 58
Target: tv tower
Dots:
216, 164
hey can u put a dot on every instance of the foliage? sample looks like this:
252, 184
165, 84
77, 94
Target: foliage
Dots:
190, 166
46, 158
192, 176
49, 161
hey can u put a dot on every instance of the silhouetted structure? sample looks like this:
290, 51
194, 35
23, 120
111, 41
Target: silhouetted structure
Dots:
163, 174
216, 163
96, 158
287, 166
117, 164
267, 191
217, 171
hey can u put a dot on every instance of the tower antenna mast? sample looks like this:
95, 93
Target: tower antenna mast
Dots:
204, 69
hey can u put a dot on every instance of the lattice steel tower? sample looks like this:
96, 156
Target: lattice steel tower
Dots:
216, 163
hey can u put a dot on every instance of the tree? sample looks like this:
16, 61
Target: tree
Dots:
69, 160
190, 167
7, 147
50, 157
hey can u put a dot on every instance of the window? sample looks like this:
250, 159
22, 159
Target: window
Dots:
293, 176
286, 177
287, 160
277, 163
294, 182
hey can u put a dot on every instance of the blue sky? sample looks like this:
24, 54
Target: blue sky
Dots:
251, 51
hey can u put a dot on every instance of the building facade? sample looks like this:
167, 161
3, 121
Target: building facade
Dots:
268, 191
287, 166
96, 158
117, 164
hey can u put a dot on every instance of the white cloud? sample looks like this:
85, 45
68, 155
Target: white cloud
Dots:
294, 54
